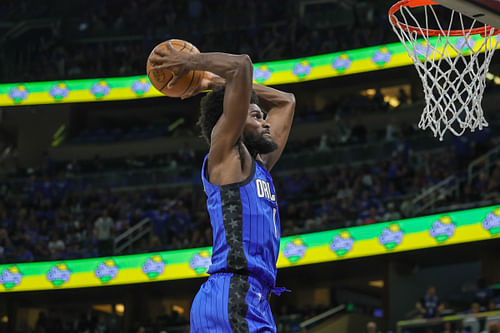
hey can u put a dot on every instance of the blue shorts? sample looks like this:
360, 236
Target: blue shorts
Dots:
229, 302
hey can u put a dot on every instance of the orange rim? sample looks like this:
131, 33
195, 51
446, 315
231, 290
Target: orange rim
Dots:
483, 31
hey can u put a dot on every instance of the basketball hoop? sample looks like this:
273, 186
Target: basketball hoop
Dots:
448, 62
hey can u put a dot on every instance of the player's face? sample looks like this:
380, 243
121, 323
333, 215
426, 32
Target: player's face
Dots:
257, 132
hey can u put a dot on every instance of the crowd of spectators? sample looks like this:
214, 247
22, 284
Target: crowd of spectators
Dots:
94, 321
90, 321
343, 110
431, 307
59, 210
105, 38
59, 216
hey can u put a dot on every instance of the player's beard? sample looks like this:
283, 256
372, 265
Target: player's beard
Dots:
258, 144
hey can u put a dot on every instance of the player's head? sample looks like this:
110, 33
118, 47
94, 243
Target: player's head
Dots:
371, 327
493, 327
256, 134
256, 128
492, 305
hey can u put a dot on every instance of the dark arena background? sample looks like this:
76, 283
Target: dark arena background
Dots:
378, 216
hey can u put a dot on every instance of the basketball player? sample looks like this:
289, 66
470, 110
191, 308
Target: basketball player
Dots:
245, 143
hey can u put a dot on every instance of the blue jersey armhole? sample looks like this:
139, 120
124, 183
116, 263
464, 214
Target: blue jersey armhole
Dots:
237, 184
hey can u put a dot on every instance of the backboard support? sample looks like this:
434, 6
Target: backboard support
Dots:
485, 11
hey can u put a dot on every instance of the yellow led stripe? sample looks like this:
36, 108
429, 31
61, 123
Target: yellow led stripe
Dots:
355, 242
271, 73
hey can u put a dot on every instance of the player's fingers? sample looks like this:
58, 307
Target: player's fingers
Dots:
160, 52
161, 67
169, 46
174, 80
155, 60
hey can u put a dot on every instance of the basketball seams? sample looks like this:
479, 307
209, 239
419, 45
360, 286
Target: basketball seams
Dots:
183, 47
195, 81
190, 83
166, 83
179, 47
199, 76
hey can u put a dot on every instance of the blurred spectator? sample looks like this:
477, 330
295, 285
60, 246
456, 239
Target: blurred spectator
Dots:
493, 187
390, 131
371, 327
430, 306
482, 183
23, 254
483, 293
56, 245
475, 308
104, 231
463, 150
372, 218
41, 252
469, 194
493, 327
89, 251
492, 305
482, 141
72, 168
122, 223
132, 162
41, 322
447, 327
391, 214
359, 133
5, 244
403, 96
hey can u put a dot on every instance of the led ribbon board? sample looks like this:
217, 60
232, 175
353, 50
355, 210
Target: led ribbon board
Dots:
381, 238
270, 73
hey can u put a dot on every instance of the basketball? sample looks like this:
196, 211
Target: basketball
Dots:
161, 78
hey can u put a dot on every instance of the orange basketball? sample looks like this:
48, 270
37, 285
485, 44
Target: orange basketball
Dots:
161, 78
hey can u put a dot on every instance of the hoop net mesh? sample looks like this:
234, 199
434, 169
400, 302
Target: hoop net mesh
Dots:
453, 69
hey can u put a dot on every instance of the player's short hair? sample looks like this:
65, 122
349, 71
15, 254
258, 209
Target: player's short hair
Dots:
211, 107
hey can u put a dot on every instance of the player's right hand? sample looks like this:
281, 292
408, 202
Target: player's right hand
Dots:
175, 61
209, 82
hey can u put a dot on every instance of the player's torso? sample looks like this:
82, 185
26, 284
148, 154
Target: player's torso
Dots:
246, 225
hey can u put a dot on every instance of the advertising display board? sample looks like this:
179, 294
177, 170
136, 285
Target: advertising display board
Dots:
340, 244
270, 73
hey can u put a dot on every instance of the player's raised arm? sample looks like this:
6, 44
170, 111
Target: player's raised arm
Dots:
280, 108
237, 70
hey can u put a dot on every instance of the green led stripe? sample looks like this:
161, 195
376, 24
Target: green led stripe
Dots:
270, 73
410, 226
346, 243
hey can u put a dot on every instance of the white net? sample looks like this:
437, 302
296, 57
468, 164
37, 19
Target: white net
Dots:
452, 68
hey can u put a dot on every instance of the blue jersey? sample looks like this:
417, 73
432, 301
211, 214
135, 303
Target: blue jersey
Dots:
246, 225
